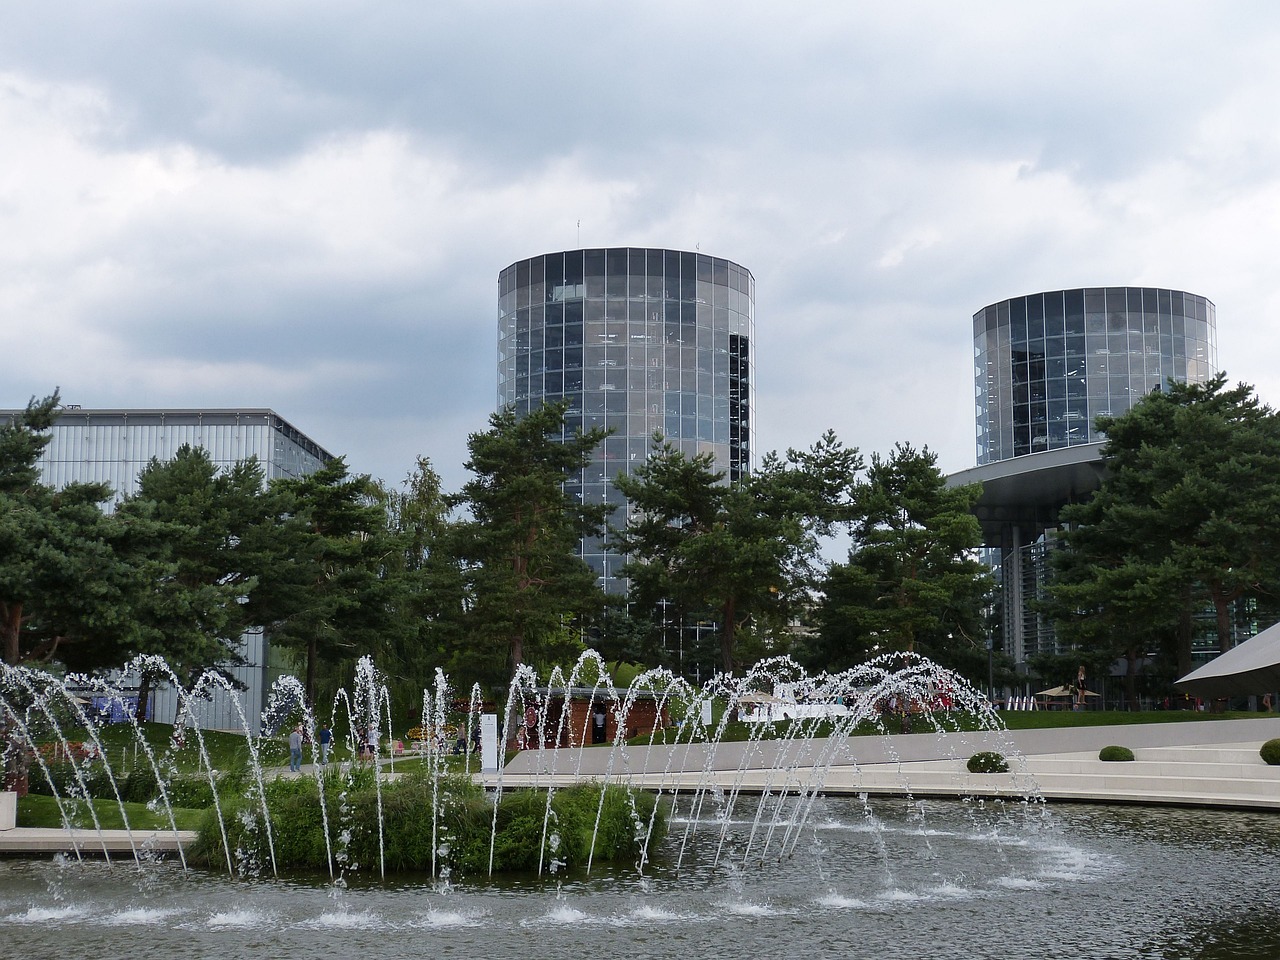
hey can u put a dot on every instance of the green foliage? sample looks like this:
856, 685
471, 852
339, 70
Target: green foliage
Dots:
41, 811
425, 590
524, 580
93, 780
987, 761
1115, 754
912, 580
65, 590
322, 592
464, 828
738, 553
1270, 752
1186, 518
140, 784
194, 528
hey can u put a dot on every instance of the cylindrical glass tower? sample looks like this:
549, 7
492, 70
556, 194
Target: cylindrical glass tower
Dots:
637, 341
1048, 364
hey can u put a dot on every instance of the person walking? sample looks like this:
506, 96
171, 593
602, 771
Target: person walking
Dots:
295, 749
325, 739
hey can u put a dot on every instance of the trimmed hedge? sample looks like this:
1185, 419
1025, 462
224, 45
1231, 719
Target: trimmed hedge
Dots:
1115, 754
1270, 752
988, 761
462, 832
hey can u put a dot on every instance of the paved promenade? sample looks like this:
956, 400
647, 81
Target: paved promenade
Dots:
30, 841
1205, 763
1211, 763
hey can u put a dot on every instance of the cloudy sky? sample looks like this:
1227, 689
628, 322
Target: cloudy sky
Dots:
306, 205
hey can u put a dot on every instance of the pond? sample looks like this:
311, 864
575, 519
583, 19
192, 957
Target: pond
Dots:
880, 878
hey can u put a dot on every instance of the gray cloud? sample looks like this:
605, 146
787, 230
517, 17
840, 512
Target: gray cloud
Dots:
307, 206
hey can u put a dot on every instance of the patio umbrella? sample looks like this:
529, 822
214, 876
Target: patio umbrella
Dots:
1065, 692
757, 697
1248, 668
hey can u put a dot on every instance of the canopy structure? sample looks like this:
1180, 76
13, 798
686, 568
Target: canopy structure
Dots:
1066, 692
1249, 668
755, 696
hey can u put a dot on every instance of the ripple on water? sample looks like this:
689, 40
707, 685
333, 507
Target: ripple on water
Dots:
1074, 864
139, 916
838, 901
446, 919
742, 908
1019, 883
47, 915
561, 915
235, 919
657, 914
346, 920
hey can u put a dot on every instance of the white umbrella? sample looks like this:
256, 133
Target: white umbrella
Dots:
1066, 692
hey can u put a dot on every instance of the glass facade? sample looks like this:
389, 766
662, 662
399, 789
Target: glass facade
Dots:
114, 446
1047, 365
637, 341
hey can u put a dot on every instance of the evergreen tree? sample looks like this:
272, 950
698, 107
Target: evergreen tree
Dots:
321, 591
738, 554
525, 580
65, 590
193, 526
912, 580
1185, 518
426, 591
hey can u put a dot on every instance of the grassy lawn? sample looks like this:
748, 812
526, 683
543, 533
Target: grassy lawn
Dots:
36, 811
228, 751
1043, 719
1012, 719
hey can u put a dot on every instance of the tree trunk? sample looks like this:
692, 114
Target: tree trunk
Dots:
11, 630
1130, 677
515, 653
144, 695
309, 688
1222, 607
727, 638
1186, 629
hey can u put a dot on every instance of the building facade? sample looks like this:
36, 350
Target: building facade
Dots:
114, 446
637, 341
1046, 366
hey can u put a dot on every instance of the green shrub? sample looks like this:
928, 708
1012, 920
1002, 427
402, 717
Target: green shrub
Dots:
461, 835
93, 783
1115, 754
1270, 752
139, 785
988, 761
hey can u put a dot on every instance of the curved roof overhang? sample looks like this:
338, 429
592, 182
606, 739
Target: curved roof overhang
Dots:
1027, 491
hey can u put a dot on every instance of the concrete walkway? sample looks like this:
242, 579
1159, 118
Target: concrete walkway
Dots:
1202, 763
1208, 763
28, 841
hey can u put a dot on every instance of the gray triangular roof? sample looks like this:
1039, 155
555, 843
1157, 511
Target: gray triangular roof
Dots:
1251, 667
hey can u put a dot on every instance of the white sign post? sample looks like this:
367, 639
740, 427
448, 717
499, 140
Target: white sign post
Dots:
488, 743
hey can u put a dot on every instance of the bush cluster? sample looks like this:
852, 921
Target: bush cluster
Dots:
1270, 752
139, 785
988, 761
1115, 754
93, 776
462, 832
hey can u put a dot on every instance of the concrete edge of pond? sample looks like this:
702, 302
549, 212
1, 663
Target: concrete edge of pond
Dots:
1197, 763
